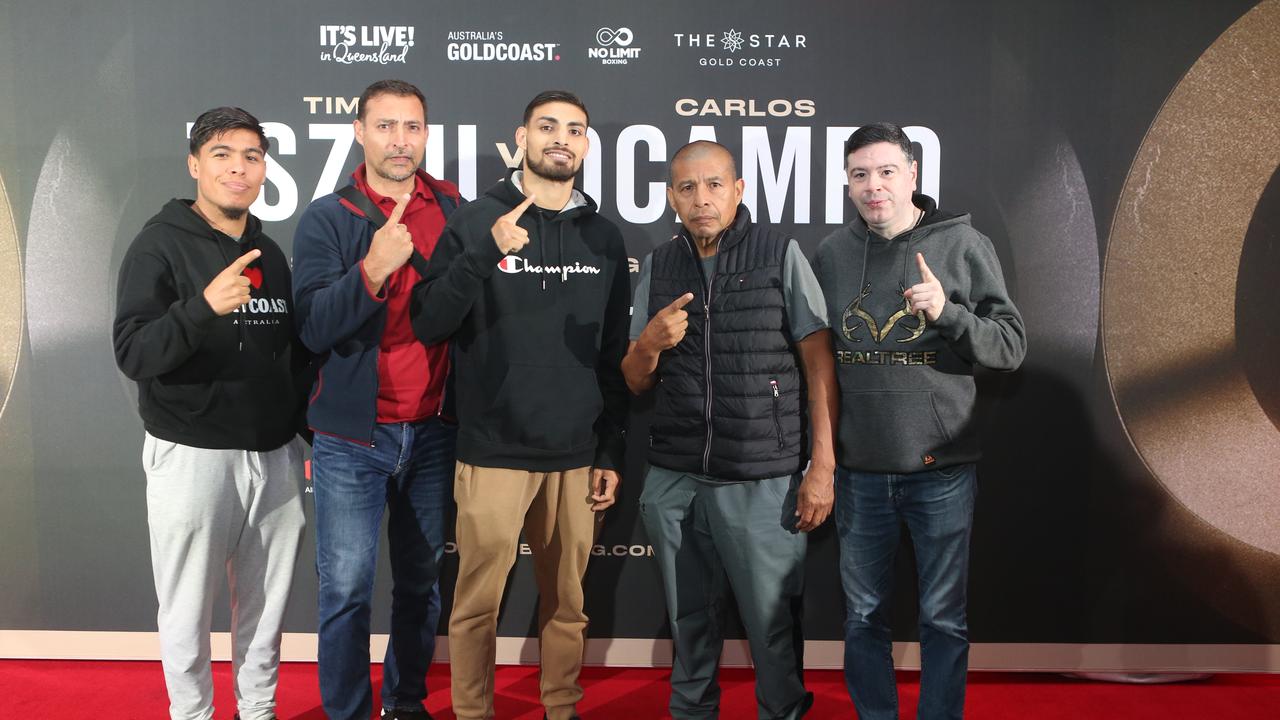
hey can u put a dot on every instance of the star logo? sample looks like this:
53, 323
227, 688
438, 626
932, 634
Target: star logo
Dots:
732, 40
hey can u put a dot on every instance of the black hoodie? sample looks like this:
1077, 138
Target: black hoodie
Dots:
225, 382
538, 335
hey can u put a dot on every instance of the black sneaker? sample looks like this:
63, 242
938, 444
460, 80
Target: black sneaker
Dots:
405, 714
803, 708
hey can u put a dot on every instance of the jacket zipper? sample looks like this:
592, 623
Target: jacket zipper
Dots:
777, 422
706, 345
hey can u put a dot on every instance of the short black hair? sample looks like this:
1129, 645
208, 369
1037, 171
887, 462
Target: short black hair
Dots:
219, 120
399, 88
698, 147
550, 96
878, 133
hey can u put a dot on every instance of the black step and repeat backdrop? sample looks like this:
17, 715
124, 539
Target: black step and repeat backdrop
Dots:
1120, 155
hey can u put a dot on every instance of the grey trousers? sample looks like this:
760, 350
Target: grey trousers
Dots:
212, 513
704, 533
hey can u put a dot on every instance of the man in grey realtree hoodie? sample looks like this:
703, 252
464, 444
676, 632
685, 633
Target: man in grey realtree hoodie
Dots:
916, 300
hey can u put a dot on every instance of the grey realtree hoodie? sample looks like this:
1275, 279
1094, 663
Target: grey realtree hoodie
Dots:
906, 385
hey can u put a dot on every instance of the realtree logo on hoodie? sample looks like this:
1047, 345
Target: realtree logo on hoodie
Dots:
513, 264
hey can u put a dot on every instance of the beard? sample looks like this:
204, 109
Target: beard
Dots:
548, 170
232, 213
384, 172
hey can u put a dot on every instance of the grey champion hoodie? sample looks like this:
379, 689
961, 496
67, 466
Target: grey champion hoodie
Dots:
906, 385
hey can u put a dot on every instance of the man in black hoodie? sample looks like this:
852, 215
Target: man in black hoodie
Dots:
204, 325
920, 302
531, 284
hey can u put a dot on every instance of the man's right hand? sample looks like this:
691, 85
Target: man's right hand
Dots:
229, 289
668, 327
391, 247
509, 236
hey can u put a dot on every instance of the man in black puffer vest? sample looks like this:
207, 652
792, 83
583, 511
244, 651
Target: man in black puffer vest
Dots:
730, 325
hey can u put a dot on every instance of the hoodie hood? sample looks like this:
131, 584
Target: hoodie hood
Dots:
510, 192
181, 215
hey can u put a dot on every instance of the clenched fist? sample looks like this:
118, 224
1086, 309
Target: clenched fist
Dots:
666, 329
390, 249
509, 236
229, 289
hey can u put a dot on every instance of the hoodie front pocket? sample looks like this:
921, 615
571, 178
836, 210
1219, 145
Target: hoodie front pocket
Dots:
547, 408
889, 430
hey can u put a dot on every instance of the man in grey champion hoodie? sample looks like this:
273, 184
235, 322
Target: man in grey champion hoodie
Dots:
916, 299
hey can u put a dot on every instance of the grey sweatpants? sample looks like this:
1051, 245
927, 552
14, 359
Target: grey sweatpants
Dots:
212, 512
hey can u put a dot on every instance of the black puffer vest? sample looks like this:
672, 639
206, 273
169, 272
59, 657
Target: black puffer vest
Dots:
744, 423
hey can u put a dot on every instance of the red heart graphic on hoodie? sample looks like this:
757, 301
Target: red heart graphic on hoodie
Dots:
255, 276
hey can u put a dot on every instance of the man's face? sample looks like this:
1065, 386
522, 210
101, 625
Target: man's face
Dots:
229, 171
705, 193
394, 136
554, 141
881, 182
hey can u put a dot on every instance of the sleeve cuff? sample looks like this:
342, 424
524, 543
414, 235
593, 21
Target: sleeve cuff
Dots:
380, 296
948, 322
610, 453
485, 257
199, 311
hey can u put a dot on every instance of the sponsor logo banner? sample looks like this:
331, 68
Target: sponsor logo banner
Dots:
495, 46
614, 46
366, 44
738, 48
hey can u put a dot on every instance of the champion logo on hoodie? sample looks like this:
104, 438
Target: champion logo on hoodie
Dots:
513, 264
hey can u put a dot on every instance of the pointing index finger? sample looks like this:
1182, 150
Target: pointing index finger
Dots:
925, 273
681, 301
518, 210
394, 217
243, 261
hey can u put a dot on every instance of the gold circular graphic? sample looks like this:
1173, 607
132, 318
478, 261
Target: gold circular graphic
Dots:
10, 298
1169, 327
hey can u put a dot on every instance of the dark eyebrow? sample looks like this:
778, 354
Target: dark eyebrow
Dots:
228, 148
878, 167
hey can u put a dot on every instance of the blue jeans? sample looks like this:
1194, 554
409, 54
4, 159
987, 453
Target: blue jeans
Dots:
409, 469
937, 507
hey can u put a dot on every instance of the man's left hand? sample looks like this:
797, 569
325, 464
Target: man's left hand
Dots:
604, 488
814, 498
927, 295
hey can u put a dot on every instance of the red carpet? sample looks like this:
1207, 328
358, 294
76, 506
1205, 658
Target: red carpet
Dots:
117, 690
